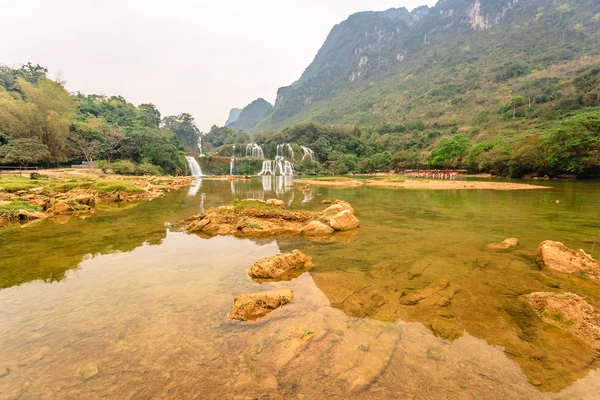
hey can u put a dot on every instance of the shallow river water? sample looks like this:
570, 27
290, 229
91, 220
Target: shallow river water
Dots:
125, 305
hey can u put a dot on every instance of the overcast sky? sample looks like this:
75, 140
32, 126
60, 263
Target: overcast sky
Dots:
196, 56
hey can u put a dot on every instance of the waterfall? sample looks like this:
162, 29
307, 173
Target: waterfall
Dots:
195, 169
290, 151
308, 153
255, 151
279, 154
231, 165
199, 142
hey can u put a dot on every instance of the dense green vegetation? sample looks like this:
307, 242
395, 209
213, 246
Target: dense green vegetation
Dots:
43, 124
570, 147
429, 89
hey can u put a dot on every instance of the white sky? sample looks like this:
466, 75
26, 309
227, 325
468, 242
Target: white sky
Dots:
202, 57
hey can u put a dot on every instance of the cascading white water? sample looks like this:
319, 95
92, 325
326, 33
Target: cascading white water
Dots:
199, 142
195, 169
255, 151
231, 165
279, 165
290, 151
308, 153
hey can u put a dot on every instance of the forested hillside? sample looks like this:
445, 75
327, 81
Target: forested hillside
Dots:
43, 124
496, 80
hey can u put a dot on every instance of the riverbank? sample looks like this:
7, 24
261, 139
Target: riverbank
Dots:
61, 193
394, 181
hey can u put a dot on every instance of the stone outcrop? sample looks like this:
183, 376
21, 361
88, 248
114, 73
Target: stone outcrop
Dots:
505, 245
568, 312
256, 218
247, 307
317, 228
557, 256
60, 207
284, 266
344, 221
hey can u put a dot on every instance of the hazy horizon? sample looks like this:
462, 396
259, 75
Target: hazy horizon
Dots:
203, 59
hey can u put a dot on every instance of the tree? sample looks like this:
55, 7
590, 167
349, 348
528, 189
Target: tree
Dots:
148, 115
450, 150
185, 128
24, 151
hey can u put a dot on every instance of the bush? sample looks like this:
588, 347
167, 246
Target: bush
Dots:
146, 168
123, 167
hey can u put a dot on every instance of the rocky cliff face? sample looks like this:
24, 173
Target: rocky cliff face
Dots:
368, 44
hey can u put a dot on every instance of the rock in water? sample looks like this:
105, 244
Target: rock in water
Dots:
557, 256
61, 207
344, 221
281, 267
275, 202
506, 244
316, 228
256, 305
568, 312
89, 371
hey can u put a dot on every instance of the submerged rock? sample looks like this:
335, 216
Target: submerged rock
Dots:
281, 267
248, 307
506, 244
568, 312
557, 256
88, 371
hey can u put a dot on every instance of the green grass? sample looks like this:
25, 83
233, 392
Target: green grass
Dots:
12, 184
10, 210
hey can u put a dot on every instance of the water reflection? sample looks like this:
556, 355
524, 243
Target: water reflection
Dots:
194, 187
149, 312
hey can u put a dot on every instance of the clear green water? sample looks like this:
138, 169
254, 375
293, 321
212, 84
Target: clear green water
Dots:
147, 303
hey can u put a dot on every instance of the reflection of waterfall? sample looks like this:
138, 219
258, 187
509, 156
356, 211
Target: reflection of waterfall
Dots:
194, 188
199, 142
195, 169
308, 153
202, 199
255, 151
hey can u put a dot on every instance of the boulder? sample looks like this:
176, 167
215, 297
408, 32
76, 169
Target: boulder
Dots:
256, 305
344, 221
60, 207
86, 199
568, 312
276, 203
197, 225
281, 266
557, 256
326, 202
317, 228
88, 371
26, 215
505, 245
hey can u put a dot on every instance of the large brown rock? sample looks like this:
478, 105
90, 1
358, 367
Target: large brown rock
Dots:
60, 207
26, 215
317, 228
557, 256
248, 307
284, 266
568, 312
344, 221
86, 199
197, 225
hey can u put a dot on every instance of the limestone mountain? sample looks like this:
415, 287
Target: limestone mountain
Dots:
444, 64
234, 114
251, 115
